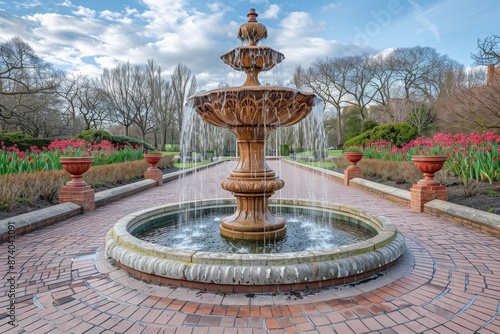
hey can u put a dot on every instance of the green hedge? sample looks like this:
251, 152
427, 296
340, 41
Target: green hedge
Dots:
23, 142
397, 133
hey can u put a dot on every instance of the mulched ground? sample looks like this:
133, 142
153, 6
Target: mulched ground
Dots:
474, 196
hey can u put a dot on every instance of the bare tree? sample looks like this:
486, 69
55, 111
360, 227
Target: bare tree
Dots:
91, 106
23, 73
39, 115
382, 82
488, 51
141, 97
183, 85
117, 85
362, 87
473, 109
69, 90
412, 67
162, 99
329, 79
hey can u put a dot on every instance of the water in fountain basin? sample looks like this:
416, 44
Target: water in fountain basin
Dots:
307, 230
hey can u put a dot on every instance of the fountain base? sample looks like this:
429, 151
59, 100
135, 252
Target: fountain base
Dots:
226, 272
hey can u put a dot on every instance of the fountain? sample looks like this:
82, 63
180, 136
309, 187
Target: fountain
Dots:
252, 112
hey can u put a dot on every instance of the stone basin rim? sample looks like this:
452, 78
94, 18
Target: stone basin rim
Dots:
121, 233
272, 272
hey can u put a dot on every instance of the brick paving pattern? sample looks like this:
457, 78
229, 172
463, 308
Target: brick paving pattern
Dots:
451, 285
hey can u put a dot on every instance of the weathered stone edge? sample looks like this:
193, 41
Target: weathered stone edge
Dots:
253, 269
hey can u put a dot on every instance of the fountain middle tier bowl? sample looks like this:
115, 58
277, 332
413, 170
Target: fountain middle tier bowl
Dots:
306, 269
271, 106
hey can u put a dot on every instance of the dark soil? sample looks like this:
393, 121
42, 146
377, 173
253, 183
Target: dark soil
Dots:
478, 195
475, 196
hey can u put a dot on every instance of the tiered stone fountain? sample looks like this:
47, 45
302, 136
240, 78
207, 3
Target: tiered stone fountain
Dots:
251, 112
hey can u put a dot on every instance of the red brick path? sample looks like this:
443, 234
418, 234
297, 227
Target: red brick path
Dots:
448, 281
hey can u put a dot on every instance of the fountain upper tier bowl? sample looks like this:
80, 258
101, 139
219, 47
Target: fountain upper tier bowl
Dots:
244, 57
270, 106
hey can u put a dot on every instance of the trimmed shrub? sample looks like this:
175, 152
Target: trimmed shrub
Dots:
396, 133
368, 125
95, 135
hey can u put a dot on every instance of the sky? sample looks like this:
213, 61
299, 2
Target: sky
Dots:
86, 36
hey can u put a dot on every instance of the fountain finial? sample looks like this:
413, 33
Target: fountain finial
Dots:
252, 31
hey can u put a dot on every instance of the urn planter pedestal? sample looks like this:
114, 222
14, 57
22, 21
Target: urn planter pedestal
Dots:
353, 170
153, 172
427, 189
76, 190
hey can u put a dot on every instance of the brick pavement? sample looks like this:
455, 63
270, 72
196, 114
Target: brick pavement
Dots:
447, 281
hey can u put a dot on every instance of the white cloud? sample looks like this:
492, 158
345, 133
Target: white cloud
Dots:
271, 12
66, 3
298, 40
331, 6
29, 4
84, 11
109, 15
215, 7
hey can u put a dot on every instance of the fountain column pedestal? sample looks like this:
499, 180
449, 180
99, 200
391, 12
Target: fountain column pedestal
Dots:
252, 182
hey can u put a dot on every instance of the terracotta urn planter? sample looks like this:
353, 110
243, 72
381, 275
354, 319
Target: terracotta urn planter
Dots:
353, 171
152, 159
153, 172
76, 167
353, 157
429, 165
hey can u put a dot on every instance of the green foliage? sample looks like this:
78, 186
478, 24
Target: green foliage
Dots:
172, 147
319, 164
125, 140
353, 149
396, 133
492, 192
95, 135
368, 125
284, 150
334, 153
22, 141
352, 124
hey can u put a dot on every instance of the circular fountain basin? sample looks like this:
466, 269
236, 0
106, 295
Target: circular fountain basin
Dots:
308, 269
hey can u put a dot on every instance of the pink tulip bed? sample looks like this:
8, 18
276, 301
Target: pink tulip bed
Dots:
470, 156
15, 161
